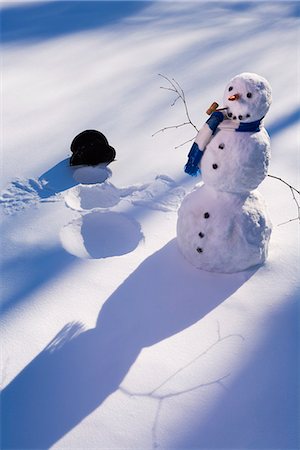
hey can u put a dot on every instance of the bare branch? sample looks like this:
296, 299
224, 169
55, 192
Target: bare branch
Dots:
283, 181
186, 142
177, 98
169, 81
294, 191
168, 128
167, 88
288, 221
177, 89
295, 200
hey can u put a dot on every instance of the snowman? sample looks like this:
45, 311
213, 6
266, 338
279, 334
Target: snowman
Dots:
223, 225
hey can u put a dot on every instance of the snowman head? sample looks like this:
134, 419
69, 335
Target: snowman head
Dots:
248, 97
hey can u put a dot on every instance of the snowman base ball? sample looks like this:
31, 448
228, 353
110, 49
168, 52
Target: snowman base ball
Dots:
223, 232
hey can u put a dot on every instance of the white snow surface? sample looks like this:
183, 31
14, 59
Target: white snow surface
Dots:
110, 338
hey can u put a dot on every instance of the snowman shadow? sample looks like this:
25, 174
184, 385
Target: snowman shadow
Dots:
79, 369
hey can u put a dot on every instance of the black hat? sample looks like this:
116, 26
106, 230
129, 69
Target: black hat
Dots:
91, 147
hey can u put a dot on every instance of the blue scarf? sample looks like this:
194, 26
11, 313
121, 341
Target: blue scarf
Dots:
195, 154
251, 126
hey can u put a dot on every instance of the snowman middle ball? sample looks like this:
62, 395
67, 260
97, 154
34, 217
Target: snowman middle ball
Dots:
236, 162
223, 232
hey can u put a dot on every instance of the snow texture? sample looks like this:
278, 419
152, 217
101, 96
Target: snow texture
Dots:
89, 196
163, 194
110, 339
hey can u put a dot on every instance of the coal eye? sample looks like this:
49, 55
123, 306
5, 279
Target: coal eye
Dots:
249, 95
230, 88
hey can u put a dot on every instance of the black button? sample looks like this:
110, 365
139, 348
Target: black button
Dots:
234, 117
215, 166
222, 146
199, 250
201, 234
240, 117
206, 215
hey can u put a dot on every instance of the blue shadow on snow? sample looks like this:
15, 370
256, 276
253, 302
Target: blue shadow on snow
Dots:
36, 22
262, 397
62, 177
31, 271
57, 179
284, 122
79, 369
38, 266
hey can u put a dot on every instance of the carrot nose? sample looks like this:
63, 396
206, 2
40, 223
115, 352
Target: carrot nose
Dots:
234, 97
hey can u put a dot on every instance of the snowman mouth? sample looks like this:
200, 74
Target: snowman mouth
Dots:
240, 117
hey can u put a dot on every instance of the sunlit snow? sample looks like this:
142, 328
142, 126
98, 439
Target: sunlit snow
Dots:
110, 339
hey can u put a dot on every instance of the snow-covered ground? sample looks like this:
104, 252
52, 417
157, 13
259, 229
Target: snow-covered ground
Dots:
110, 339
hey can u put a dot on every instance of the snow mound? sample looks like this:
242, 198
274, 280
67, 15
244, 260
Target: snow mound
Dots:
100, 235
91, 174
162, 194
85, 197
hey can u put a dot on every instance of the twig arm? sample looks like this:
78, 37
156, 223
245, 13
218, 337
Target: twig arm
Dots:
294, 191
283, 181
